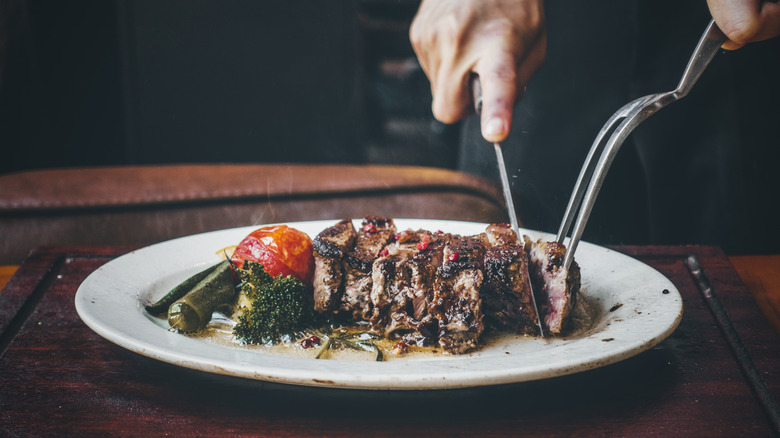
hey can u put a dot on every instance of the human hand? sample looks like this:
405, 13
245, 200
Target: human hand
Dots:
502, 41
746, 21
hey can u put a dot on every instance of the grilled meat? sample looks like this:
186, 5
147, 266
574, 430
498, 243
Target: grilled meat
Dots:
330, 246
425, 263
401, 290
456, 301
497, 235
506, 293
556, 289
374, 234
435, 288
391, 289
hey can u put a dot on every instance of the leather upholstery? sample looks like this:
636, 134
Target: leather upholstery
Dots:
140, 205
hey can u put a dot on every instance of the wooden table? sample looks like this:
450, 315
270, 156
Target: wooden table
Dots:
761, 275
715, 376
5, 274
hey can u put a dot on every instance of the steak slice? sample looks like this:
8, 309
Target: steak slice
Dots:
456, 300
556, 289
391, 294
330, 246
497, 235
425, 264
402, 286
374, 234
506, 292
435, 288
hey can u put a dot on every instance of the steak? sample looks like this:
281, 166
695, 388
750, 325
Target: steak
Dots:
441, 289
556, 288
374, 234
402, 286
330, 246
391, 291
497, 235
506, 292
456, 301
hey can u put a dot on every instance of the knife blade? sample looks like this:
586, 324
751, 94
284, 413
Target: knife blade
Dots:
476, 89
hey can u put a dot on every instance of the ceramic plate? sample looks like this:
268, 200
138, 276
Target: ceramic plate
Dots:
631, 307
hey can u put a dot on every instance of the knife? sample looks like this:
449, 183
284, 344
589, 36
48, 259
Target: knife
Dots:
476, 89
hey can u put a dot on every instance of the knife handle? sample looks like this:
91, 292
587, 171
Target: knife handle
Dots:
476, 92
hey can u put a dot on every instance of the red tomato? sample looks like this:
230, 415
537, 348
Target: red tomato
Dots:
280, 249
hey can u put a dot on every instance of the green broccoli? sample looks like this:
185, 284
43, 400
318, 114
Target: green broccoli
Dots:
278, 307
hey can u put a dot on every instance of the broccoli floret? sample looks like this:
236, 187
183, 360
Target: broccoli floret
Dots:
278, 306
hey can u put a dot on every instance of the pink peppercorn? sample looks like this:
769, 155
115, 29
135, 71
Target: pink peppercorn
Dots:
401, 348
311, 341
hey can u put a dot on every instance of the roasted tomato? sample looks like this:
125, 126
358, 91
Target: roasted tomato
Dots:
280, 249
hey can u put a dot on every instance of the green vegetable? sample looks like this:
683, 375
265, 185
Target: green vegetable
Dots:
343, 338
192, 312
177, 292
278, 306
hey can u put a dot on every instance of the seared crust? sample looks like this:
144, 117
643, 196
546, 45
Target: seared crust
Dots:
436, 288
335, 241
497, 235
456, 299
402, 286
374, 234
330, 246
506, 293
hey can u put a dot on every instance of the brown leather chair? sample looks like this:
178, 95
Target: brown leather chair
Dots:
140, 205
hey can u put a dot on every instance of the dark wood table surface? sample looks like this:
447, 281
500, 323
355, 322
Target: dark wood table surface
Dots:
717, 375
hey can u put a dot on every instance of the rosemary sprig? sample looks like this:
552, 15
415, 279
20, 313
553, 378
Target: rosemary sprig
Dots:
342, 338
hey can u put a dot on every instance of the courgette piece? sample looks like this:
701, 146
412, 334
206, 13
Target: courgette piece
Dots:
192, 312
177, 292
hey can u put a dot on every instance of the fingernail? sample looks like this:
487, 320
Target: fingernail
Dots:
494, 126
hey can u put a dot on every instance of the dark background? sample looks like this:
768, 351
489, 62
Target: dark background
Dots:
89, 82
137, 82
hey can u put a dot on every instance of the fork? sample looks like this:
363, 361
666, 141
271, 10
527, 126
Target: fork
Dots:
620, 125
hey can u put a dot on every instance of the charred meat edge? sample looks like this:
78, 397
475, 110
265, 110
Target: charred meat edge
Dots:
457, 305
373, 236
330, 246
402, 286
443, 291
506, 293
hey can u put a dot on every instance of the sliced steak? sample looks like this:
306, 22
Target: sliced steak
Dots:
425, 264
391, 286
556, 289
330, 246
402, 286
374, 234
456, 300
440, 289
506, 292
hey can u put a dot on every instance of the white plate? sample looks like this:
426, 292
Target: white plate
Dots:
634, 305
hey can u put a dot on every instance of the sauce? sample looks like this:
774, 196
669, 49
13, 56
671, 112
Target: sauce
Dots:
219, 331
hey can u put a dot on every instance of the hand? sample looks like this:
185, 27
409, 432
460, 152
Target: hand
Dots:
746, 21
503, 41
